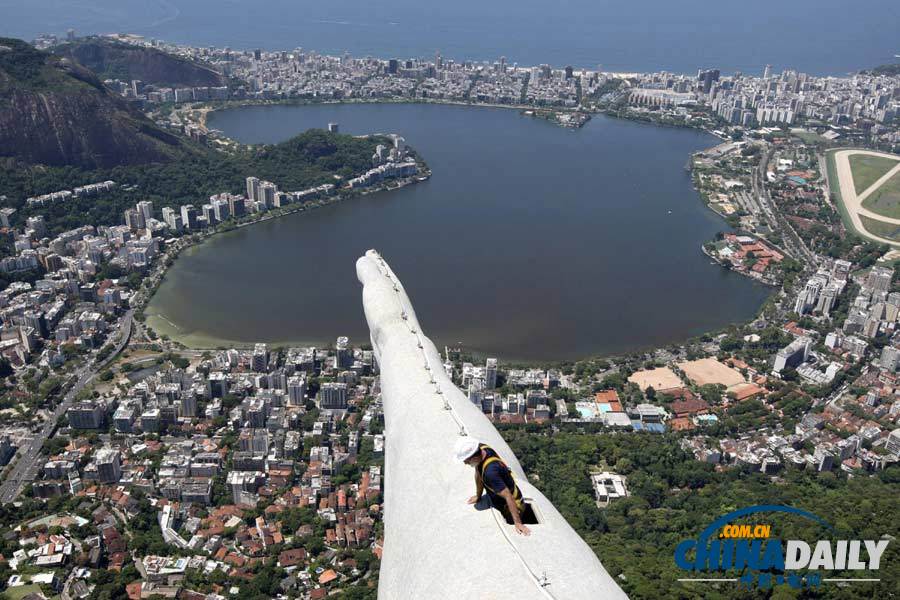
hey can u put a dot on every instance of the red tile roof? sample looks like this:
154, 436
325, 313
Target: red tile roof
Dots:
289, 558
328, 576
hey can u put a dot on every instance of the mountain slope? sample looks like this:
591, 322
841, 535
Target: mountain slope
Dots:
53, 111
110, 59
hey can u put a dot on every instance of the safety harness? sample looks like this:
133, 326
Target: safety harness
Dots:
516, 492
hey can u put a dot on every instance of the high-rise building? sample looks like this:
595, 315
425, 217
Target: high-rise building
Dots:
890, 358
243, 486
109, 466
37, 321
343, 358
253, 188
706, 79
221, 210
879, 279
333, 396
260, 358
209, 215
5, 215
150, 420
134, 219
172, 219
256, 413
188, 403
7, 449
254, 440
217, 385
37, 224
808, 299
266, 193
189, 217
827, 299
841, 270
87, 415
767, 72
490, 373
145, 207
893, 442
124, 417
236, 206
793, 354
296, 390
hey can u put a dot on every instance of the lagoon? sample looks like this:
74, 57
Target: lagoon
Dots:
530, 241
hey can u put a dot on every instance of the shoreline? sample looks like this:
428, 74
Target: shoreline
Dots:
206, 108
150, 321
202, 341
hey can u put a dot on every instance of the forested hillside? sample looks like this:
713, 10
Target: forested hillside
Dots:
309, 159
673, 497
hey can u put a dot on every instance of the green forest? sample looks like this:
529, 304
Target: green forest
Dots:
309, 159
673, 497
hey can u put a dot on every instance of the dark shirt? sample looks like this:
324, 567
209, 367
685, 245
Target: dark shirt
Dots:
496, 479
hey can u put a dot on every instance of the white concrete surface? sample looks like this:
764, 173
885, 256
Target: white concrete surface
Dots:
853, 201
437, 546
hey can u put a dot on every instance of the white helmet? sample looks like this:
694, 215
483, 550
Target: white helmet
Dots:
465, 448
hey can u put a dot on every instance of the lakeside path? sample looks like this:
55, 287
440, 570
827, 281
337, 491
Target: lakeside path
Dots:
853, 201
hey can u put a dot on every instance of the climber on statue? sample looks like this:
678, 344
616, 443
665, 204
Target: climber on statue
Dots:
492, 474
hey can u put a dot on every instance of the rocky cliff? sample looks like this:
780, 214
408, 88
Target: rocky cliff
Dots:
53, 111
110, 59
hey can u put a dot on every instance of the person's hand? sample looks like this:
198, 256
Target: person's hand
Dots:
522, 529
472, 500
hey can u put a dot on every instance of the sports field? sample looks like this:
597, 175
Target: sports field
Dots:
710, 370
662, 378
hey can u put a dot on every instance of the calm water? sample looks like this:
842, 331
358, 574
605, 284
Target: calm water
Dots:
816, 36
530, 241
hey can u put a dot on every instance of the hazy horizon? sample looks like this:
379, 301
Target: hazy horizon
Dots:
641, 36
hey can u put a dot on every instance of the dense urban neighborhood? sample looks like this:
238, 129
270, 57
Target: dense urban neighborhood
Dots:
135, 464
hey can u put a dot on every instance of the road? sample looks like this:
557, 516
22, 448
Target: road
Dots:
791, 241
28, 463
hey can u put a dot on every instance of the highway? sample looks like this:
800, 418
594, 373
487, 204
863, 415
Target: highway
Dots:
28, 456
791, 241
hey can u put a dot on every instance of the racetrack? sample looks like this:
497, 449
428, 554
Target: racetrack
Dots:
853, 202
